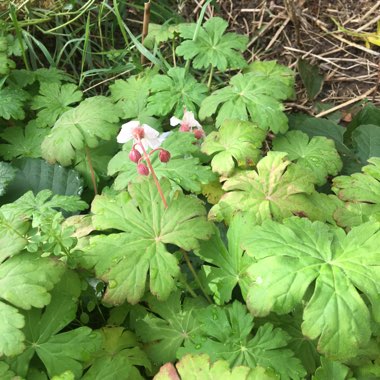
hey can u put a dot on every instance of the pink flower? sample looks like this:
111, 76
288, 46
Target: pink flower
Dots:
187, 123
135, 131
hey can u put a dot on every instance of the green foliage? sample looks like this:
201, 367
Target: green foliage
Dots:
361, 192
7, 173
168, 325
53, 100
235, 141
211, 46
226, 333
311, 78
11, 103
142, 246
202, 367
319, 154
249, 96
277, 190
225, 267
173, 92
301, 253
183, 170
84, 126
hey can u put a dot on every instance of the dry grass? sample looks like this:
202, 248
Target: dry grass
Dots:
287, 30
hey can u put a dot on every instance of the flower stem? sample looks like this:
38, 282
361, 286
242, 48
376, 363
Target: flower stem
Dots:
210, 77
93, 180
156, 181
194, 273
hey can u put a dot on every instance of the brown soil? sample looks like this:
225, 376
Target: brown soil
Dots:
287, 30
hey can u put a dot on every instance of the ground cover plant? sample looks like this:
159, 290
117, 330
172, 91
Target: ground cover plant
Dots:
180, 225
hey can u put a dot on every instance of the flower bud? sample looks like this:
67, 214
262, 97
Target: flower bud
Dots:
164, 155
142, 169
134, 155
198, 133
184, 127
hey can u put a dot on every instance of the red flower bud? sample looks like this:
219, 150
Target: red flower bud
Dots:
142, 169
198, 133
134, 155
164, 155
184, 127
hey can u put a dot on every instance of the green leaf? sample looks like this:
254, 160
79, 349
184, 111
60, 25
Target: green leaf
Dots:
160, 33
225, 333
168, 326
278, 189
12, 235
366, 142
237, 142
53, 100
132, 97
22, 142
271, 70
212, 46
175, 91
119, 356
224, 268
361, 194
36, 175
12, 102
200, 366
24, 282
319, 154
67, 375
183, 170
7, 174
6, 373
12, 339
249, 97
93, 120
331, 370
311, 78
124, 259
337, 268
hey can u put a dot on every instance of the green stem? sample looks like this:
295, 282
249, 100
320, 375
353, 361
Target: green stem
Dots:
92, 172
210, 77
194, 273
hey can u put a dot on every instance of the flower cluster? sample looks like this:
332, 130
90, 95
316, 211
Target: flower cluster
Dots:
144, 137
188, 124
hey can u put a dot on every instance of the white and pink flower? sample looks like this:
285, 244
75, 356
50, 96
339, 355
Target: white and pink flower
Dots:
188, 124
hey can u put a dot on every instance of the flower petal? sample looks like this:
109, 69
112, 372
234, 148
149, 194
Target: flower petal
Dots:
189, 118
126, 132
175, 121
149, 132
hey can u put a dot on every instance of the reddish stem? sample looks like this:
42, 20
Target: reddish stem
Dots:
147, 160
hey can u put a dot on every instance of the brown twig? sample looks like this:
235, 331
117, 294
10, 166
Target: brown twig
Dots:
145, 27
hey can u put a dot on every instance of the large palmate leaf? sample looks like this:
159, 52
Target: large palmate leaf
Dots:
183, 170
277, 190
366, 142
361, 193
53, 100
192, 367
118, 357
132, 97
212, 47
172, 324
249, 97
340, 267
36, 174
22, 142
319, 154
93, 120
124, 259
236, 142
225, 267
58, 351
7, 174
271, 70
175, 91
25, 282
331, 370
160, 33
226, 333
12, 102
